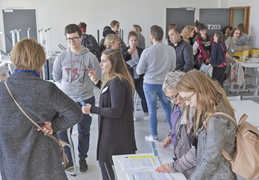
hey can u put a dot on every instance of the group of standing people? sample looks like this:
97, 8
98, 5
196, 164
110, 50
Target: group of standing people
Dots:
197, 135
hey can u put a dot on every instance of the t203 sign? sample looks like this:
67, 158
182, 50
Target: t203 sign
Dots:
213, 26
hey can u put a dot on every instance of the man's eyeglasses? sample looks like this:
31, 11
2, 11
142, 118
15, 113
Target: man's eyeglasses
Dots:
188, 99
172, 98
73, 39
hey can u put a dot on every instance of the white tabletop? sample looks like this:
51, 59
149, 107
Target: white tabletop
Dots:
121, 175
250, 64
247, 107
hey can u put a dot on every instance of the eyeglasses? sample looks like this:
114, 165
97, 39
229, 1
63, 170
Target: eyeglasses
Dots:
73, 39
172, 98
188, 99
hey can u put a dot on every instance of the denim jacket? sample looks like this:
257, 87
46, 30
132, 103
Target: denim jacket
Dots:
219, 134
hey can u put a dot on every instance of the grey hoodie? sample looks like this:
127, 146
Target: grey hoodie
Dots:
71, 70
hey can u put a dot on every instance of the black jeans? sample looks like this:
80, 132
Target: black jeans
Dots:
107, 171
83, 134
139, 88
218, 73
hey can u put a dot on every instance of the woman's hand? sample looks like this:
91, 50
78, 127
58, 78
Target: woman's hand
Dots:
86, 109
92, 75
46, 128
166, 141
165, 168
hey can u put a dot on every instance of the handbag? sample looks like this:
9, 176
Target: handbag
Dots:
245, 160
60, 143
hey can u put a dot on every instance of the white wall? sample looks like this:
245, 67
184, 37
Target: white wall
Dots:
254, 14
97, 14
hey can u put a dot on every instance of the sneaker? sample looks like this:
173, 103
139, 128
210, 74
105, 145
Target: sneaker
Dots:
83, 165
69, 166
151, 138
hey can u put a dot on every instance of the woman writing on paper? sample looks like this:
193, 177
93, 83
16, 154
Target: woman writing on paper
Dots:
116, 126
214, 132
184, 148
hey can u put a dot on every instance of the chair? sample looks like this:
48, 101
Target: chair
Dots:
234, 98
3, 72
71, 146
11, 68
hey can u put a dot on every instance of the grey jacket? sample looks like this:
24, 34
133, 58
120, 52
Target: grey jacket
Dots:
25, 153
219, 135
185, 153
184, 56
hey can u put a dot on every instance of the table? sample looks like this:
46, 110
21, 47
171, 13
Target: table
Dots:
248, 107
255, 66
122, 176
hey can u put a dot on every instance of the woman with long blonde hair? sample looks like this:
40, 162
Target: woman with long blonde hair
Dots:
214, 132
187, 33
116, 125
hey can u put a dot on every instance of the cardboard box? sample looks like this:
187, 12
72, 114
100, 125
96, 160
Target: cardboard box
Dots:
241, 54
254, 51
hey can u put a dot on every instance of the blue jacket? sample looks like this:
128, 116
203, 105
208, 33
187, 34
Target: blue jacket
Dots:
218, 54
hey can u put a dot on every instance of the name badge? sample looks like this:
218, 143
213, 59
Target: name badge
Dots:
104, 89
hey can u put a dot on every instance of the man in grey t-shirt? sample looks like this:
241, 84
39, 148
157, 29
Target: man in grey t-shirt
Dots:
155, 62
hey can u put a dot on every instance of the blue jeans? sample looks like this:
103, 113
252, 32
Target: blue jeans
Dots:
83, 134
151, 92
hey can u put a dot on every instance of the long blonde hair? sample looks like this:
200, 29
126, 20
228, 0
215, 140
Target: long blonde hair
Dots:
209, 95
118, 68
186, 32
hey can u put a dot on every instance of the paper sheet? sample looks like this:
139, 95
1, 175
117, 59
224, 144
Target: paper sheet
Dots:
148, 175
158, 149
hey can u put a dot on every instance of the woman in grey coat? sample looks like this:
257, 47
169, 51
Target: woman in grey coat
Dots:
214, 132
25, 153
116, 126
184, 151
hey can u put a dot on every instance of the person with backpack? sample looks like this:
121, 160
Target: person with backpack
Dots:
89, 41
214, 133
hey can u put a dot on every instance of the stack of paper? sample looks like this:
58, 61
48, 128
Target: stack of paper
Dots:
142, 168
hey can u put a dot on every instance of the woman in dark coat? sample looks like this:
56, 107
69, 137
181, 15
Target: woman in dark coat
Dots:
116, 125
132, 54
26, 153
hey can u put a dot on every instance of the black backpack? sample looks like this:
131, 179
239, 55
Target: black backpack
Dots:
90, 43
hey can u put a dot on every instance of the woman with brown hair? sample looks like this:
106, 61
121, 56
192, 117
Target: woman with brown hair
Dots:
231, 48
214, 132
132, 53
116, 125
